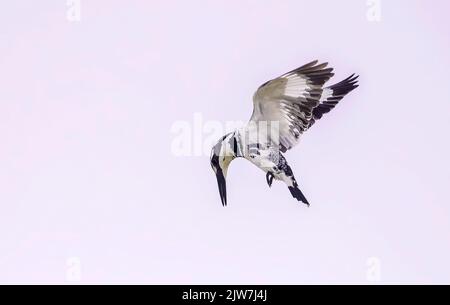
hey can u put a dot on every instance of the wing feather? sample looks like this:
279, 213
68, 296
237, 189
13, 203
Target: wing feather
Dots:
290, 99
332, 95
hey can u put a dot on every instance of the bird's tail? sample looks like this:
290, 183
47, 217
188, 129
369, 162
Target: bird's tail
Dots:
297, 194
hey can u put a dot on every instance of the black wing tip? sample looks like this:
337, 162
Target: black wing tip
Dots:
339, 90
353, 79
312, 66
345, 86
316, 72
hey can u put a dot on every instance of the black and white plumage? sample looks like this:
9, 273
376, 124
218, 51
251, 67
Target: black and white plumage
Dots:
283, 109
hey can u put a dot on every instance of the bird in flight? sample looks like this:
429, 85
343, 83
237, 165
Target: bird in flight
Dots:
283, 108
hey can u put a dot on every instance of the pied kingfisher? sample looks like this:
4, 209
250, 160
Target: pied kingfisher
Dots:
283, 108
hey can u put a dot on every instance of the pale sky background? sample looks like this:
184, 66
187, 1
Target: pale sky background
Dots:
87, 172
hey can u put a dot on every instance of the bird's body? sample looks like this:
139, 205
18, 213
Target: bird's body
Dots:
263, 154
283, 109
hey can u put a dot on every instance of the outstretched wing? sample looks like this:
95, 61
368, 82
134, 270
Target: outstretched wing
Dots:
332, 95
290, 99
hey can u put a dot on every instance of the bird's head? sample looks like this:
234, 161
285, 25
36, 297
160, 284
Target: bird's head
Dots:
221, 157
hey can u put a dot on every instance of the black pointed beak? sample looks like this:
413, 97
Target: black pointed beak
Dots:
222, 187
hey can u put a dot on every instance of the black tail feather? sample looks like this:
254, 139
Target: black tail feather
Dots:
297, 194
